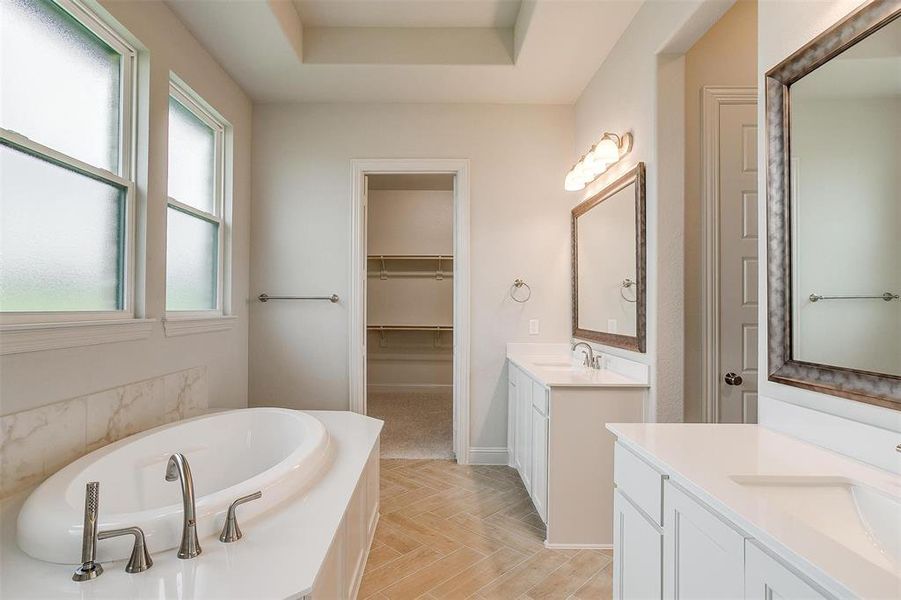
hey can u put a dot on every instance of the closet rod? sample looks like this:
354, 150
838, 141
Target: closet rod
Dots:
410, 327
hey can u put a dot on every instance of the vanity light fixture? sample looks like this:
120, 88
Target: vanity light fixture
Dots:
596, 161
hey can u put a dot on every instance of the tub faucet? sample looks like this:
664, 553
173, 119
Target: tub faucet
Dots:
178, 468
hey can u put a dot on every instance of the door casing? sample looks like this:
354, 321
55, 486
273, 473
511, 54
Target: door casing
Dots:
360, 168
713, 99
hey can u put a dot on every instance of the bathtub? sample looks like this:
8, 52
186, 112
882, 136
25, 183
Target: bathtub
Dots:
231, 454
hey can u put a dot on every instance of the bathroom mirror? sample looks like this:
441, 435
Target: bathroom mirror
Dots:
608, 254
834, 215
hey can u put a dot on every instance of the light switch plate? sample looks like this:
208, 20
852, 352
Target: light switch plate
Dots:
533, 326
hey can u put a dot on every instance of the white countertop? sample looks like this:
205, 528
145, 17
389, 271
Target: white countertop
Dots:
819, 535
278, 557
539, 367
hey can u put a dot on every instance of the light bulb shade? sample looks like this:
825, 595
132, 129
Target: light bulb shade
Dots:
606, 151
573, 182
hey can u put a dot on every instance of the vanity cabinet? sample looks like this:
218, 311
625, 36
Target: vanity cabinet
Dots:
564, 456
669, 544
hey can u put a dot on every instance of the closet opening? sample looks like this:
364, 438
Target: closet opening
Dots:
409, 304
410, 312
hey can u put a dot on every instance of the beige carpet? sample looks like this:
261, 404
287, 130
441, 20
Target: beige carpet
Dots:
417, 424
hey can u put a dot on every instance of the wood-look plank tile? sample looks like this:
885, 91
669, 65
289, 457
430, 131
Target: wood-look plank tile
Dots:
380, 554
437, 502
395, 503
476, 541
452, 531
479, 575
378, 579
599, 586
512, 539
524, 576
395, 537
424, 535
428, 577
570, 576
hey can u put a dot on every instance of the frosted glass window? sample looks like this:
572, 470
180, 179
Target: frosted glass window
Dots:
61, 237
192, 153
61, 83
191, 262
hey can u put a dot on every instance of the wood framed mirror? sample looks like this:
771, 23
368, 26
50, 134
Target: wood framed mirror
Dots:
833, 138
609, 291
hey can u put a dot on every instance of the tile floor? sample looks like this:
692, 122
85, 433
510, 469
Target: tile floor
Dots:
462, 531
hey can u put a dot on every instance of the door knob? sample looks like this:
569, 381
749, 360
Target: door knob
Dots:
732, 379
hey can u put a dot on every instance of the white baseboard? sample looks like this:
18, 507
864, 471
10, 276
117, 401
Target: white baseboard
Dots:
577, 546
488, 456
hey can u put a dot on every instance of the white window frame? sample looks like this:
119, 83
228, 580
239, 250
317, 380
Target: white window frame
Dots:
182, 322
23, 331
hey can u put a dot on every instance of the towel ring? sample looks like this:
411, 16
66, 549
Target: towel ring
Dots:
519, 283
627, 283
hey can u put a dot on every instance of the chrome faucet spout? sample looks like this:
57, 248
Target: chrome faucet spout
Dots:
590, 359
178, 469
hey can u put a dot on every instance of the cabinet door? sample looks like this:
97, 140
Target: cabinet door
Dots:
511, 416
703, 557
524, 429
637, 571
539, 462
767, 579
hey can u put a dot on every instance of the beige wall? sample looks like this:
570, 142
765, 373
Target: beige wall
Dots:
725, 56
519, 227
639, 89
36, 379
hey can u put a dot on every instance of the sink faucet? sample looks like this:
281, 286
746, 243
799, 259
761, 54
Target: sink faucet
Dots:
590, 359
178, 468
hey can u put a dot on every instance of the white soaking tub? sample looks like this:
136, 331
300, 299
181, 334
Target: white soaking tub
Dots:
231, 454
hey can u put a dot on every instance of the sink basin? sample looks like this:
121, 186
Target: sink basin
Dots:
550, 364
231, 454
865, 520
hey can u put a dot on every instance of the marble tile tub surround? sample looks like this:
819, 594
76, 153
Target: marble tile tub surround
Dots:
36, 443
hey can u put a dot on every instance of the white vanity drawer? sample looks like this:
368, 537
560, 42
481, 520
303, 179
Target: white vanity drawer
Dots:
638, 480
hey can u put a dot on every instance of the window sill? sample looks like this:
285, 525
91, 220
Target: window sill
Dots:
34, 337
185, 325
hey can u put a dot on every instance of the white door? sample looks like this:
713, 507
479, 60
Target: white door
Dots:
637, 560
736, 400
539, 460
702, 556
767, 579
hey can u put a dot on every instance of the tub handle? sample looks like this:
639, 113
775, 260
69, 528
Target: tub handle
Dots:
231, 532
140, 559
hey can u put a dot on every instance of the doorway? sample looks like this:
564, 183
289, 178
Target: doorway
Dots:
409, 302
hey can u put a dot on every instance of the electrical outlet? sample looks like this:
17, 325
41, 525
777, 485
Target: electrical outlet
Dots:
533, 326
611, 326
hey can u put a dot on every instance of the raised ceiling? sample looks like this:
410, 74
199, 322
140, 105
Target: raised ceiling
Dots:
408, 13
490, 51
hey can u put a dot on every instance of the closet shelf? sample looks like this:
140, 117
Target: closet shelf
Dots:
437, 258
410, 327
436, 329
